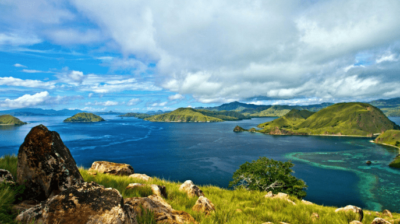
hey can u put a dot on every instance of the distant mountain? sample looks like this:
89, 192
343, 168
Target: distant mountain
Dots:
108, 113
359, 119
40, 112
137, 115
183, 115
10, 120
84, 117
394, 102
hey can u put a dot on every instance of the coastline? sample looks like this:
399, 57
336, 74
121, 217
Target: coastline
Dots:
331, 135
386, 145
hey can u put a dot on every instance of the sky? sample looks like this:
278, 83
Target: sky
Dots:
141, 55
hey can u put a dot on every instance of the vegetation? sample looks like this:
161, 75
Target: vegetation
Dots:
197, 115
137, 115
232, 206
391, 138
84, 117
358, 119
10, 120
269, 175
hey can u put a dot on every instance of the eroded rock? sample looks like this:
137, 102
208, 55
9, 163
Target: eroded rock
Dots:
379, 221
119, 169
204, 205
141, 176
45, 165
81, 204
6, 177
162, 213
191, 189
352, 208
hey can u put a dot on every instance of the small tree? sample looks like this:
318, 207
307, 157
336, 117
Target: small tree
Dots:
269, 175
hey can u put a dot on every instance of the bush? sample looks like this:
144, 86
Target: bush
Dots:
269, 175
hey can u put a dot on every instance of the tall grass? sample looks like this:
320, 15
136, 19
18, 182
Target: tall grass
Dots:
232, 206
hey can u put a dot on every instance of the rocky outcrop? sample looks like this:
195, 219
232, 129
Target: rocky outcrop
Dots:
45, 165
379, 221
162, 213
119, 169
6, 177
141, 176
191, 189
238, 129
352, 208
204, 205
82, 203
280, 195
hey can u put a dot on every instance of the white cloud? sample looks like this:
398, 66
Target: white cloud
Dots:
13, 39
73, 37
26, 100
90, 95
133, 101
119, 84
33, 71
106, 103
11, 81
19, 65
390, 57
71, 77
176, 97
159, 104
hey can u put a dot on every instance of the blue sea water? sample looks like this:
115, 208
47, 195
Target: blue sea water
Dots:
208, 153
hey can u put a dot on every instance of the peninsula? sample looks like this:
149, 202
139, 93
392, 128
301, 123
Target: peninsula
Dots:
197, 115
390, 138
84, 117
10, 120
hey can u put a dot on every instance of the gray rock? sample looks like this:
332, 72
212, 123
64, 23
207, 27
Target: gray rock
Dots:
6, 177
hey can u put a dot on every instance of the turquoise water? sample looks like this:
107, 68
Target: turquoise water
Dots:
208, 153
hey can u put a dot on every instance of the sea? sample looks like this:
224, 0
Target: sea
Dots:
334, 168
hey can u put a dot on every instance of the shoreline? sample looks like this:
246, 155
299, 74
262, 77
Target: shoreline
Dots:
386, 145
331, 135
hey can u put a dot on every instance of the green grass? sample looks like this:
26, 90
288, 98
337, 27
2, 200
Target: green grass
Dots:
84, 117
232, 206
392, 138
10, 120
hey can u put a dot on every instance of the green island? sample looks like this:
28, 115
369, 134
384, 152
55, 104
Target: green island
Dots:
84, 117
10, 120
197, 115
137, 115
342, 119
390, 138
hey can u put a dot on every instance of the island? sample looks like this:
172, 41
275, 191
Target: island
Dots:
390, 138
84, 117
137, 115
341, 119
10, 120
197, 115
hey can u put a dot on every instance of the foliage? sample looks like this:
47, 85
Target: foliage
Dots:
84, 117
269, 175
10, 120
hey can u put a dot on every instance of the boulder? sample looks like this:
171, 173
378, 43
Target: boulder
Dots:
6, 177
159, 190
119, 169
82, 203
379, 221
24, 205
368, 162
45, 165
162, 213
352, 208
387, 213
280, 195
203, 205
141, 176
314, 216
191, 189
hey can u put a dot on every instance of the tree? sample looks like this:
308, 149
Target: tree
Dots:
269, 175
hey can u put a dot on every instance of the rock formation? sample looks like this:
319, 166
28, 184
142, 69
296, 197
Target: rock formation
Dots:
238, 129
156, 189
141, 176
6, 177
45, 165
280, 195
380, 221
191, 189
119, 169
162, 213
204, 205
80, 204
387, 213
352, 208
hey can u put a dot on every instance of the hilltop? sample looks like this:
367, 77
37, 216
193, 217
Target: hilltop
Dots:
390, 138
137, 115
10, 120
183, 115
358, 119
84, 117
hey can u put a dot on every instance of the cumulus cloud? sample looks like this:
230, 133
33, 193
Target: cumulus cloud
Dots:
117, 85
73, 37
390, 57
176, 97
71, 77
33, 71
19, 65
26, 100
133, 102
11, 81
106, 103
162, 104
13, 39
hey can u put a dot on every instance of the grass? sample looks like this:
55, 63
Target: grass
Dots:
391, 138
232, 206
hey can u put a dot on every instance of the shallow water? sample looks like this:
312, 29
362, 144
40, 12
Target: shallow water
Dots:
208, 153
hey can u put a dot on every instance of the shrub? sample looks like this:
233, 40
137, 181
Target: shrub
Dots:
269, 175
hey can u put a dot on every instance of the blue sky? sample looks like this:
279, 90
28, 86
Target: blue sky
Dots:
160, 55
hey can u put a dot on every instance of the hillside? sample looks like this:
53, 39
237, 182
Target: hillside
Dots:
137, 115
84, 117
287, 122
273, 111
10, 120
183, 115
391, 138
358, 119
224, 115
